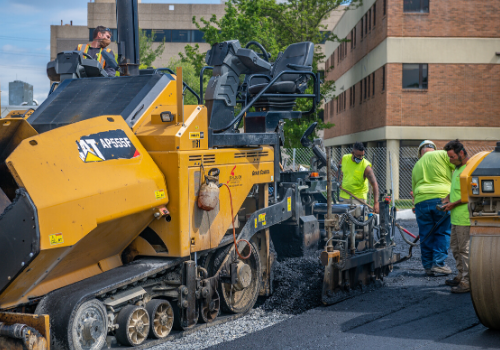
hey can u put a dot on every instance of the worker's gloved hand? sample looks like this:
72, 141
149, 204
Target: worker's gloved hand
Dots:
375, 208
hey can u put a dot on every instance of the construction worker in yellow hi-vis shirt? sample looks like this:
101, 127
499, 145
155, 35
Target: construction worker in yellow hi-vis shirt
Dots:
357, 172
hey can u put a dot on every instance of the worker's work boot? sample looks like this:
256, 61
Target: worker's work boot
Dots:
463, 287
442, 270
453, 282
429, 272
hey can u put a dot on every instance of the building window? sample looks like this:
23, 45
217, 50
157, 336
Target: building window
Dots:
383, 78
355, 37
416, 6
370, 19
364, 96
368, 86
415, 76
385, 7
374, 14
198, 36
361, 28
361, 92
167, 35
181, 36
366, 24
353, 95
345, 98
373, 84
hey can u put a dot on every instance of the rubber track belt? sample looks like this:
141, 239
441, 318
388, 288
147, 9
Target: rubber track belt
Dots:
62, 303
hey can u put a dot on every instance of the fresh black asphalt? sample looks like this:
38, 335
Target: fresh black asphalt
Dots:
411, 311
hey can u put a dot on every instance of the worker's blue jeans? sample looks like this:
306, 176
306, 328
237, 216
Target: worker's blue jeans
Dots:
434, 248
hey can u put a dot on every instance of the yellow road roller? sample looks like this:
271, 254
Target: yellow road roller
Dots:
480, 184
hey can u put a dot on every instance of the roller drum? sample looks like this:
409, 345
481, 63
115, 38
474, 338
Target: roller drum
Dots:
485, 278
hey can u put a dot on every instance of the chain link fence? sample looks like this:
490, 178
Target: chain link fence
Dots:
383, 159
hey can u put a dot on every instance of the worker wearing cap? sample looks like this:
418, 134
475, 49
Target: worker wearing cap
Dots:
101, 40
460, 221
431, 182
357, 172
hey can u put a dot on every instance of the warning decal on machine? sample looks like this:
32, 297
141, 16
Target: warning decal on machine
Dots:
56, 238
196, 135
160, 194
107, 145
262, 218
289, 203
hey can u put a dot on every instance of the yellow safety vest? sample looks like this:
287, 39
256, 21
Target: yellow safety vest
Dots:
354, 177
99, 55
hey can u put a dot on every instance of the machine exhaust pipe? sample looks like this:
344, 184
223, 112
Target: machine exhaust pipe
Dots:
127, 23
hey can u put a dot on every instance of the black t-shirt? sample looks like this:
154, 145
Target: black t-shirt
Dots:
92, 52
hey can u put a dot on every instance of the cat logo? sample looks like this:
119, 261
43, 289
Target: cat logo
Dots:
108, 145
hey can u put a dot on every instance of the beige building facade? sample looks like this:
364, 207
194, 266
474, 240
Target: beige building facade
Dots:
170, 21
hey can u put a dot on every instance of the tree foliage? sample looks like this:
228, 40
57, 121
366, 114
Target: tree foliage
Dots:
147, 54
190, 76
276, 26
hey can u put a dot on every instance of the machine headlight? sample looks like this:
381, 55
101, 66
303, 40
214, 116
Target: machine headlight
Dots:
475, 185
487, 186
166, 116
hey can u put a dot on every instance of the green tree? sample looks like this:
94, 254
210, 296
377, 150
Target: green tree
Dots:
147, 54
190, 77
276, 26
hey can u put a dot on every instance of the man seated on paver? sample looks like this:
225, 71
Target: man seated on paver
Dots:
460, 221
431, 182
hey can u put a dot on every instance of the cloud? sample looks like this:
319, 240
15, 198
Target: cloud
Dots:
13, 48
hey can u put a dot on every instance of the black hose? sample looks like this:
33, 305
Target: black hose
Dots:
436, 225
413, 244
359, 223
431, 232
410, 252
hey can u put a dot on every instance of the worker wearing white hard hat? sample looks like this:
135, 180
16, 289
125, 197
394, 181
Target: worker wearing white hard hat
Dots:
426, 146
431, 183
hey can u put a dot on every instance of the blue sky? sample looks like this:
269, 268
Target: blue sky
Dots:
25, 38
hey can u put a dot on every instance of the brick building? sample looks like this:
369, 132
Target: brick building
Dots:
416, 69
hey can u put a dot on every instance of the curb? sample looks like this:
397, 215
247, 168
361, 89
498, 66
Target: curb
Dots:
406, 214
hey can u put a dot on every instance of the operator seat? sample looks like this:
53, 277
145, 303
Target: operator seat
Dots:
297, 57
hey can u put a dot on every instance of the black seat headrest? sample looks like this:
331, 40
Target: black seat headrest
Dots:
296, 54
